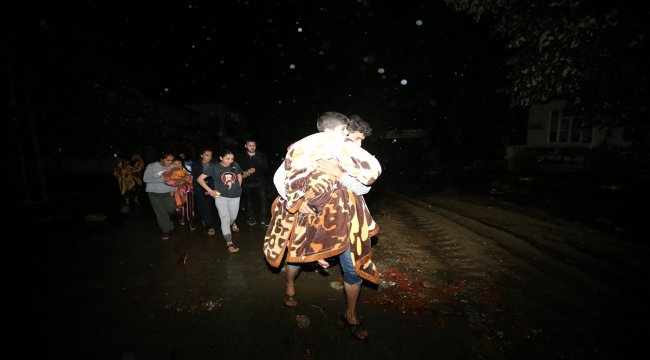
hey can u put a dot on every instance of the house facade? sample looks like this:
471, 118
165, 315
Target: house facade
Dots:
559, 136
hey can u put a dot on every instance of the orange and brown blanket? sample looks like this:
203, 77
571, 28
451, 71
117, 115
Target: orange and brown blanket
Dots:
342, 219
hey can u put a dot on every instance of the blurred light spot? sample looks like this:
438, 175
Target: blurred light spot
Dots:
299, 29
369, 59
403, 82
380, 70
418, 22
292, 66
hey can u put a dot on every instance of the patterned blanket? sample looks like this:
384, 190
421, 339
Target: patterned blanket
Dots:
182, 180
342, 219
126, 176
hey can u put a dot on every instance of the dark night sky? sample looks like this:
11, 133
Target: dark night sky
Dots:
272, 59
413, 65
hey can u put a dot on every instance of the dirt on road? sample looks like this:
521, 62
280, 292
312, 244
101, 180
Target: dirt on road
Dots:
525, 283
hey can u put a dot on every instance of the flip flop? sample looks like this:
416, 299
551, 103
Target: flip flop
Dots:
355, 329
290, 300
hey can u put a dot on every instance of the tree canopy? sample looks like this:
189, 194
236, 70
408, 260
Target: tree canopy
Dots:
593, 54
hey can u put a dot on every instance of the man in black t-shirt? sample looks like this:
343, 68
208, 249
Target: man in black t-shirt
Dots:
255, 166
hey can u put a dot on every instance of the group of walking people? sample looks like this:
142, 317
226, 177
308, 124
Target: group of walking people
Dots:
178, 189
319, 213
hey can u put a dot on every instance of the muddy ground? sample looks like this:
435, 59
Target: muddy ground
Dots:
527, 283
467, 274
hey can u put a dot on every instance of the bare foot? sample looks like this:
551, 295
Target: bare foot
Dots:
289, 297
323, 263
354, 327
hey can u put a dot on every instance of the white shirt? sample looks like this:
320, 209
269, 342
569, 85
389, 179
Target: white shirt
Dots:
346, 180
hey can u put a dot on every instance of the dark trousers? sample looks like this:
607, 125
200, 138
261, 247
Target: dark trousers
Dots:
204, 205
256, 195
164, 207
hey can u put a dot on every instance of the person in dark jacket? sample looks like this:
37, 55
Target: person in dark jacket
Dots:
255, 167
204, 203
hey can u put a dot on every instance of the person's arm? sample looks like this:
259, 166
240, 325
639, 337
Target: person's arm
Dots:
201, 181
351, 156
151, 177
238, 172
332, 167
354, 185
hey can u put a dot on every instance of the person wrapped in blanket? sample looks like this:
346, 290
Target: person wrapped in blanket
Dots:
127, 181
319, 215
181, 178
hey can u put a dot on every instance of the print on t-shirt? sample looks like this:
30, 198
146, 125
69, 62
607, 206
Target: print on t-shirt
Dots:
228, 178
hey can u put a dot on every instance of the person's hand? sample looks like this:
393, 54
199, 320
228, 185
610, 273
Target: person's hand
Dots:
305, 209
214, 193
324, 264
251, 171
329, 166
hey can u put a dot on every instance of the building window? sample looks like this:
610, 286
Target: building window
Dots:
564, 130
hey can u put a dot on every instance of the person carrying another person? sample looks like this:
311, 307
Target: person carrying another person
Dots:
161, 194
319, 218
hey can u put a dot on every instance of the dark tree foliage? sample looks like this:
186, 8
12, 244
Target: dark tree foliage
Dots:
594, 54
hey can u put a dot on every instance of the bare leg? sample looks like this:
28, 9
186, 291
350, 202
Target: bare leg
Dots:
290, 291
352, 297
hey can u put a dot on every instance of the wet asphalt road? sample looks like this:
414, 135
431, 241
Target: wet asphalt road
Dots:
117, 291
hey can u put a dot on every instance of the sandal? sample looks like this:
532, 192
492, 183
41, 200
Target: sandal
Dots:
290, 300
165, 237
234, 228
232, 248
355, 329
